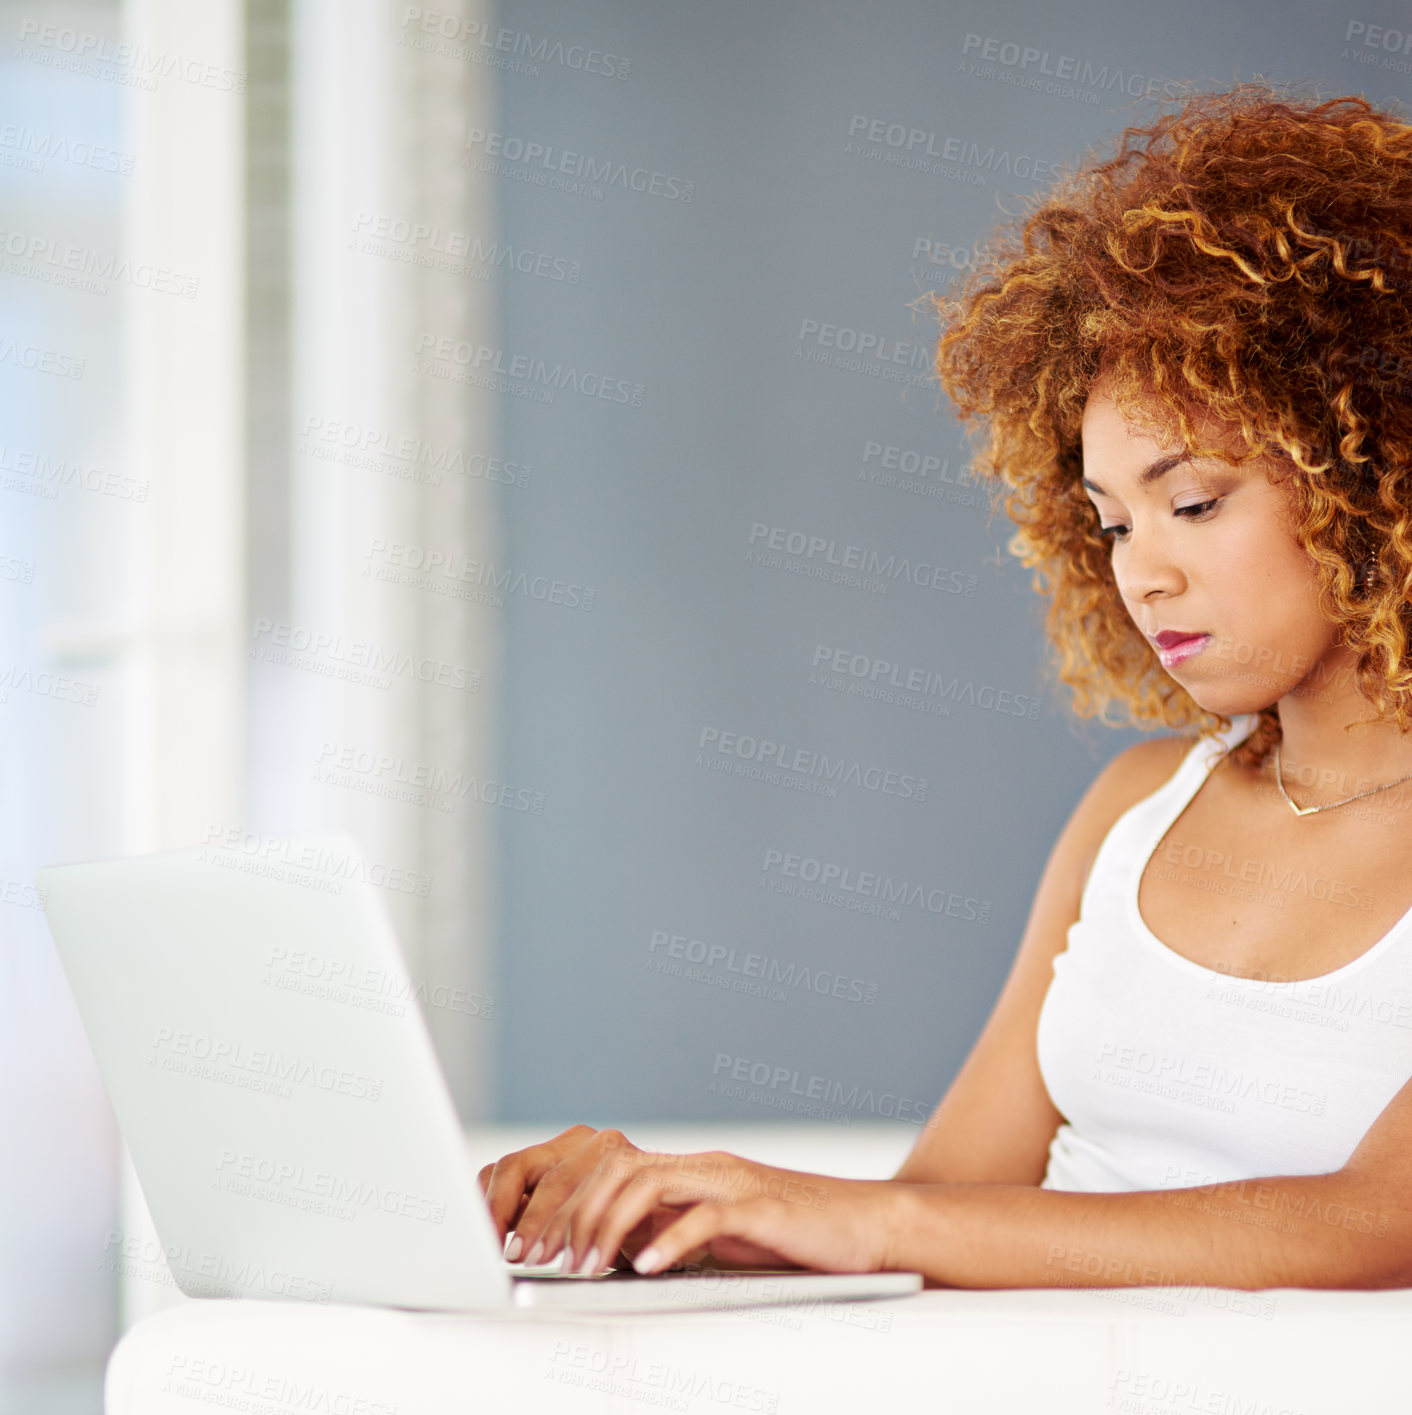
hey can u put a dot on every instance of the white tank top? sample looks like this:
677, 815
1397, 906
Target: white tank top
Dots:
1170, 1075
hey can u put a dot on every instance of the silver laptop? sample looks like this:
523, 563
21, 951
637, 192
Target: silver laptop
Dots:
272, 1075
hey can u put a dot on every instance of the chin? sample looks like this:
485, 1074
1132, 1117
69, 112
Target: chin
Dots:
1229, 703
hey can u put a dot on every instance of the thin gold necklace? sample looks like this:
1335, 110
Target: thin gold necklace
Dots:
1309, 810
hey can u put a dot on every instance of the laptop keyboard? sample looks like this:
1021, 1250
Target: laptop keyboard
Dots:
552, 1270
538, 1274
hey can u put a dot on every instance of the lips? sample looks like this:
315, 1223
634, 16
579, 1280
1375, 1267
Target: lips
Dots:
1168, 637
1182, 647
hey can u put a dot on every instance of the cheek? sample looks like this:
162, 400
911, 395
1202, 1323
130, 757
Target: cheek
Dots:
1280, 587
1260, 552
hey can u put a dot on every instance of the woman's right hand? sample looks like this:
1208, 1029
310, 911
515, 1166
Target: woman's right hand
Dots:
546, 1175
530, 1187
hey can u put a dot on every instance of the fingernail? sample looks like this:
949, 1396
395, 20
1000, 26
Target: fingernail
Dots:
647, 1260
536, 1253
566, 1263
591, 1261
513, 1248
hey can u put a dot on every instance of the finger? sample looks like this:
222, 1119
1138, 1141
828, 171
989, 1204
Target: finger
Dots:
514, 1247
651, 1189
640, 1238
617, 1163
555, 1191
511, 1179
605, 1219
698, 1225
515, 1175
574, 1132
642, 1176
800, 1236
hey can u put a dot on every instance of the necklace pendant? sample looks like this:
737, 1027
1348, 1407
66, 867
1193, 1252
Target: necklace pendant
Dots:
1309, 810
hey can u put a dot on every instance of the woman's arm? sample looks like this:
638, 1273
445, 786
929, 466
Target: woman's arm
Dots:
1348, 1229
966, 1209
1339, 1230
996, 1121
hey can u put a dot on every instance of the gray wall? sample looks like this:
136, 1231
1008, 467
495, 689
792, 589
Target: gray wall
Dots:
743, 422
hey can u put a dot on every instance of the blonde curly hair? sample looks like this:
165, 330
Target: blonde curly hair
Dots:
1247, 259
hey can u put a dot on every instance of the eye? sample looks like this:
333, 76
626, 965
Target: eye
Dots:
1196, 512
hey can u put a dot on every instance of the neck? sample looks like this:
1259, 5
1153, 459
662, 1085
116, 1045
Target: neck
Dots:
1320, 761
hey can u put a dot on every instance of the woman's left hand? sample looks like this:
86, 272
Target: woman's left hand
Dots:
715, 1203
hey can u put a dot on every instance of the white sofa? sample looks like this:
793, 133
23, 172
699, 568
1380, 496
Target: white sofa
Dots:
1152, 1351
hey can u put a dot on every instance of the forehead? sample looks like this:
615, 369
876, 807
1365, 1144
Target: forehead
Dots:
1144, 440
1144, 422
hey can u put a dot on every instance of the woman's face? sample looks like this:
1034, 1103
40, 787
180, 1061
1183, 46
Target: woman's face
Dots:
1207, 548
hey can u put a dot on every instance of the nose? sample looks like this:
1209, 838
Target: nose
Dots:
1144, 567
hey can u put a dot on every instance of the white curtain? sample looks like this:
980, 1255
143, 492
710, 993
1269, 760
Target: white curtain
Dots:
269, 616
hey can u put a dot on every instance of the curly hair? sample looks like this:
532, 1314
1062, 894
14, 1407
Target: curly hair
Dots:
1247, 258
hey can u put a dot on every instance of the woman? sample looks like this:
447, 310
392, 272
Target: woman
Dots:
1193, 361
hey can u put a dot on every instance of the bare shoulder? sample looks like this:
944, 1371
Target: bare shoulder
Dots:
1132, 776
996, 1122
1145, 766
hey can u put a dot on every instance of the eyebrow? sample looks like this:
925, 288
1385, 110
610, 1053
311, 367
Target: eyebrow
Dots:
1149, 474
